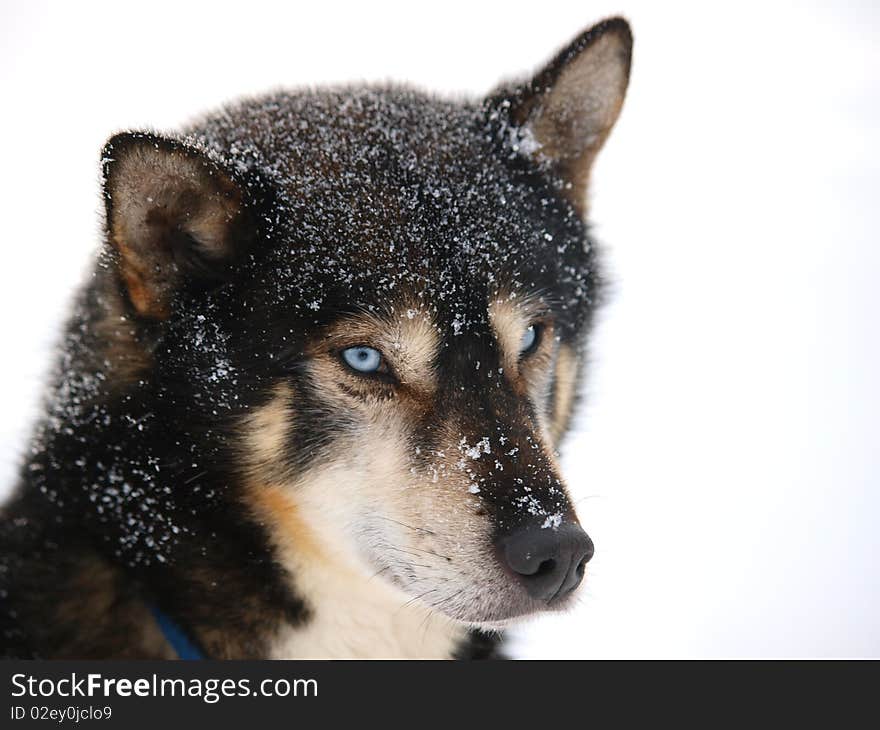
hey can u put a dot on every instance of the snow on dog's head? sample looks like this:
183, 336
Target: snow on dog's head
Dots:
379, 299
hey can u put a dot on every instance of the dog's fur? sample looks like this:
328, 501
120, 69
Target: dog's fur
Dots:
205, 450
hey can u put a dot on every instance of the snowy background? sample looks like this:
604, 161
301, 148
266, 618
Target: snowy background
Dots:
728, 461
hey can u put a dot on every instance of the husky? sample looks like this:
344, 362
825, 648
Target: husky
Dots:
308, 402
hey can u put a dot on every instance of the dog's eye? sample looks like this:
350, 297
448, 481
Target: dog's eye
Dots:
529, 342
362, 359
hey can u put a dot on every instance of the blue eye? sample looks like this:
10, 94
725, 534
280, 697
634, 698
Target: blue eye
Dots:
362, 359
529, 340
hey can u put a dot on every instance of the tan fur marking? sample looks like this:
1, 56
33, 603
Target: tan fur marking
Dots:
265, 431
132, 270
510, 315
275, 508
406, 337
509, 320
566, 381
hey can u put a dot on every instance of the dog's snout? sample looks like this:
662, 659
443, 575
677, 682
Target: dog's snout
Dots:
550, 563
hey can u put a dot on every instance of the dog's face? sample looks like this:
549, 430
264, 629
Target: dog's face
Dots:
379, 300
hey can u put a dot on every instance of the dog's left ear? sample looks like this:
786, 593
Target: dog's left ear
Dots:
175, 218
562, 117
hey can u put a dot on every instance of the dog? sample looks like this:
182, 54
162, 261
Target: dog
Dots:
309, 401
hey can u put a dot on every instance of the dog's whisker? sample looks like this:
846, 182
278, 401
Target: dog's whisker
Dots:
379, 572
414, 599
420, 550
403, 524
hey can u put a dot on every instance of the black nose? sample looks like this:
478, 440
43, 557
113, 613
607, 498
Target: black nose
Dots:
550, 563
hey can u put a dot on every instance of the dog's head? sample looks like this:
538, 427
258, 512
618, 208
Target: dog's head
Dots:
376, 300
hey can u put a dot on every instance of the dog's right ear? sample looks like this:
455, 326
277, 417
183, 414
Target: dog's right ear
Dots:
175, 218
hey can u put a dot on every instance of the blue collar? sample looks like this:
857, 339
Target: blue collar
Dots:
174, 635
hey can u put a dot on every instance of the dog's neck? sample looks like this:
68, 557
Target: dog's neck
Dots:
352, 616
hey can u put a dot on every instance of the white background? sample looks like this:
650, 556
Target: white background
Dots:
727, 462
